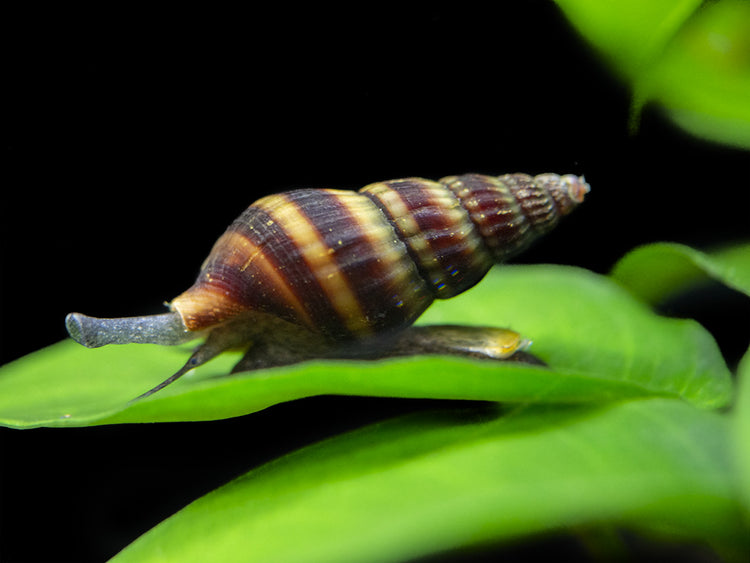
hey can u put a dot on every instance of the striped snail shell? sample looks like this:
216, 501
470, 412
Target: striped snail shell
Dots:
348, 266
352, 264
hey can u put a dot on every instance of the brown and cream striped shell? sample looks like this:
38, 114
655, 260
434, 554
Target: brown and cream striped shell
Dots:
353, 264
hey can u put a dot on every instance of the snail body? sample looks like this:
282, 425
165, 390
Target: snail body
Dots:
334, 273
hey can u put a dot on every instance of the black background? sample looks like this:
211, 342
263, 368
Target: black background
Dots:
134, 137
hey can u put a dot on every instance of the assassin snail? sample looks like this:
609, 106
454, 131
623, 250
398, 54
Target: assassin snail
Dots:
341, 274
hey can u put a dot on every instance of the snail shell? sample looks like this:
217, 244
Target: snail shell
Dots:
353, 264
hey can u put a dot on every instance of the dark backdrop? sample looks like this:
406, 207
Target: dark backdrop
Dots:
135, 137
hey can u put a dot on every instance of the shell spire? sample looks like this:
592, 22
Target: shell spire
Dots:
514, 210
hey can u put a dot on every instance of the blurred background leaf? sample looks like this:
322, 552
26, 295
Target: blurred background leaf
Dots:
654, 271
742, 432
691, 58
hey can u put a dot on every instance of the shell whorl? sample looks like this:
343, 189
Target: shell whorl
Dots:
353, 264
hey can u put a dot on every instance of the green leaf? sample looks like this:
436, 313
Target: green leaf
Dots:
630, 34
434, 482
600, 344
742, 432
703, 77
655, 271
691, 57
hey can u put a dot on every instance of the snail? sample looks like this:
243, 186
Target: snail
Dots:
341, 274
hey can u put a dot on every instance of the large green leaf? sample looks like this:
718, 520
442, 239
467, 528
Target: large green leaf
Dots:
432, 482
689, 56
655, 271
600, 344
